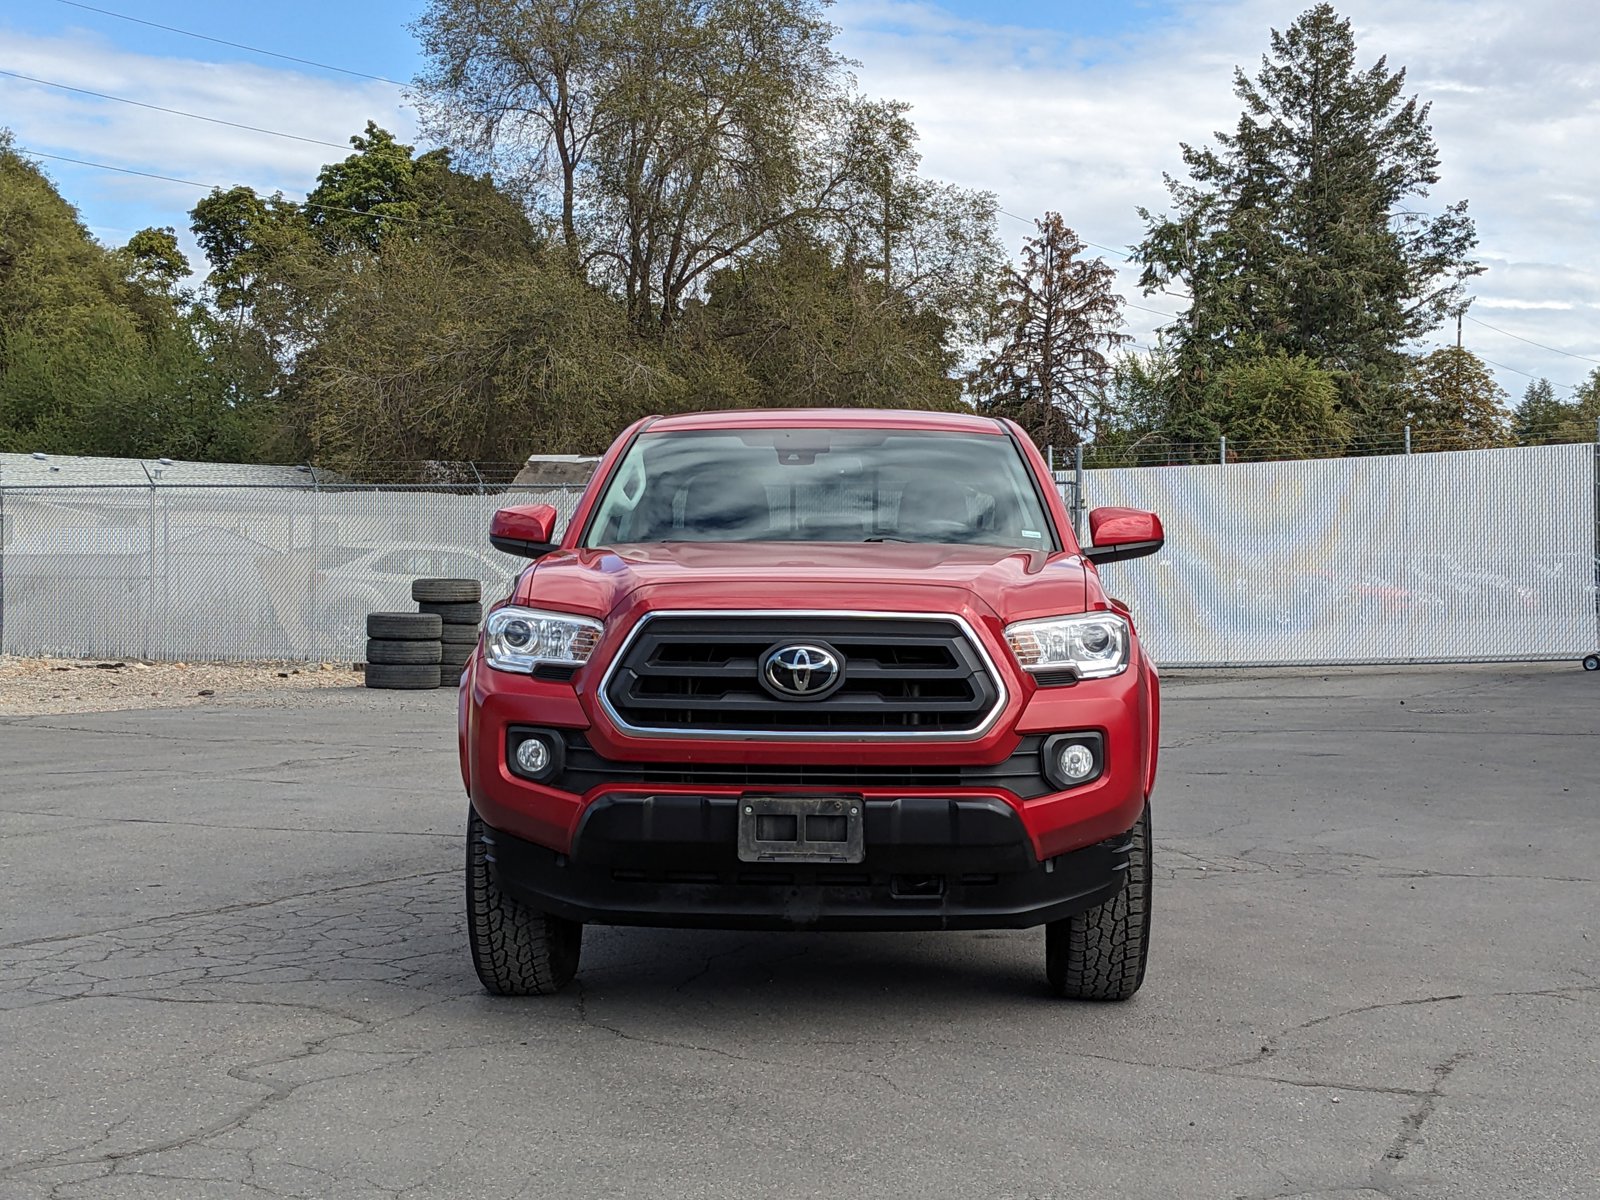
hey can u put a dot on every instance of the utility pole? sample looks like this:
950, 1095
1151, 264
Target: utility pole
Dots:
1460, 312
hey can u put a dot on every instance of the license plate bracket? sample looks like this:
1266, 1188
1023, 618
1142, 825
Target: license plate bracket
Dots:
801, 829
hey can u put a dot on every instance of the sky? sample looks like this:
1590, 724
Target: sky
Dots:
1075, 106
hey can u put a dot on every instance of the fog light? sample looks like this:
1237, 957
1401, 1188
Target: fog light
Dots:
1075, 761
533, 756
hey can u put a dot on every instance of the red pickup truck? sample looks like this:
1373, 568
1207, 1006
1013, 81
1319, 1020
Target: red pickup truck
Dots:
812, 669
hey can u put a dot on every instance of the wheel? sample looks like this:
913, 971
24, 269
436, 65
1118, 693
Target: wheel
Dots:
447, 591
458, 634
410, 678
455, 614
1100, 954
403, 653
1592, 663
404, 627
516, 950
454, 657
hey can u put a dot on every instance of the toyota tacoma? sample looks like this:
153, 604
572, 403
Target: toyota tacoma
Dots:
812, 669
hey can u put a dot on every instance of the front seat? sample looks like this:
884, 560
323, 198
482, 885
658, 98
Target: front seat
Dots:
935, 508
731, 508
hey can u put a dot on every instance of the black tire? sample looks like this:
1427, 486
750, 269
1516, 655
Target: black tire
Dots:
516, 950
455, 657
402, 678
1101, 954
403, 653
404, 627
454, 614
1592, 662
458, 634
447, 591
450, 677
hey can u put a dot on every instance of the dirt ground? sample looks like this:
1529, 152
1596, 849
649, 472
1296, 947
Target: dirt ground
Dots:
41, 686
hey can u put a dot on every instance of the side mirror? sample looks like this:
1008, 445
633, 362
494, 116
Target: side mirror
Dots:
1123, 533
526, 530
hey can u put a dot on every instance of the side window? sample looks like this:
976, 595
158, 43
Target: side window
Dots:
460, 566
395, 563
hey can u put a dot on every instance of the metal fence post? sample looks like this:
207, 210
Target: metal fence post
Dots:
3, 540
150, 565
1078, 504
1408, 439
1222, 451
315, 613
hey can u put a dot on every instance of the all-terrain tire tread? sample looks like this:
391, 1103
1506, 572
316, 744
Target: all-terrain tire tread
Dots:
404, 626
391, 653
516, 950
447, 591
1101, 954
410, 678
454, 614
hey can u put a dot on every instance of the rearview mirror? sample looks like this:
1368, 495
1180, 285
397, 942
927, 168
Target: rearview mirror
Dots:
1123, 533
526, 530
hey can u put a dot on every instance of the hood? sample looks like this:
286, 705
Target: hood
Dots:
894, 576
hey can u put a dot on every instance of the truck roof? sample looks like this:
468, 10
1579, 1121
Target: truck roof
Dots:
831, 418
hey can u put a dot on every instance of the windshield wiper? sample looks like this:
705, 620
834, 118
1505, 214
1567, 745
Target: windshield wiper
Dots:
886, 538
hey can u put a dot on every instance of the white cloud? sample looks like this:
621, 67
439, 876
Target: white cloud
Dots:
1045, 120
1515, 89
52, 121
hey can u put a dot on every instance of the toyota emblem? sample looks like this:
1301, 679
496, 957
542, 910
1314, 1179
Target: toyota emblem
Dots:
802, 672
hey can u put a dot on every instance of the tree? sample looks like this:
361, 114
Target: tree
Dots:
425, 355
1454, 403
99, 352
1537, 420
1302, 232
152, 259
386, 190
797, 327
1272, 406
1582, 420
1057, 322
666, 140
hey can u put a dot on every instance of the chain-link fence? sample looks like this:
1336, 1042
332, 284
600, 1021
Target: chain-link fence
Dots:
1469, 556
1472, 556
195, 572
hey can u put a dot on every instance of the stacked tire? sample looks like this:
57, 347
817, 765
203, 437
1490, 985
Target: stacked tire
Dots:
458, 603
403, 650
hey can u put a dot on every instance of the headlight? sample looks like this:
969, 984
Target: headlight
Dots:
520, 639
1096, 645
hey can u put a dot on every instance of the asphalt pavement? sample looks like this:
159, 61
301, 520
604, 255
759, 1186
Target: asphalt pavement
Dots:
232, 965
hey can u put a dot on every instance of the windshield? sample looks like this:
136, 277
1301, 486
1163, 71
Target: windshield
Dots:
822, 485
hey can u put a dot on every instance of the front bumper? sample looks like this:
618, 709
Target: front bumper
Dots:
997, 767
931, 863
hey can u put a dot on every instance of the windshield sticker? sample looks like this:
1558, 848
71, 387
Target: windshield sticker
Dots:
1033, 533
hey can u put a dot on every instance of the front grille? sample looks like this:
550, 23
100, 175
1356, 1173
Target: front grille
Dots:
585, 768
909, 676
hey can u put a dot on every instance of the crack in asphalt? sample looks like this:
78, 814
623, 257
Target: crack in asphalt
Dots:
28, 812
222, 910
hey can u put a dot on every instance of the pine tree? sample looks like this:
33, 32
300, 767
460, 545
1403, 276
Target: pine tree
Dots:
1455, 403
1301, 231
1058, 321
1537, 420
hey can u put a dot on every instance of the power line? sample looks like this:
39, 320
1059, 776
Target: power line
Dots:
177, 112
106, 12
1122, 254
1155, 312
1569, 387
215, 187
1530, 341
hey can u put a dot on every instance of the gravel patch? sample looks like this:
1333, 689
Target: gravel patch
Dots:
40, 686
